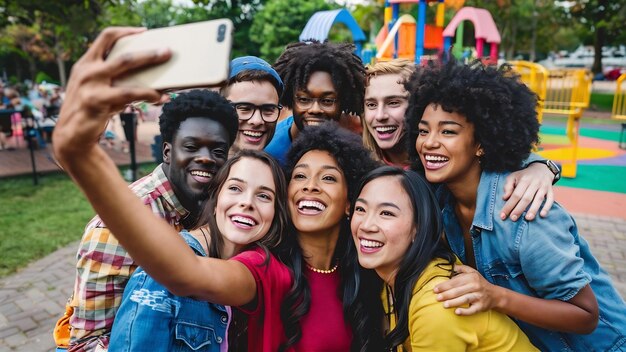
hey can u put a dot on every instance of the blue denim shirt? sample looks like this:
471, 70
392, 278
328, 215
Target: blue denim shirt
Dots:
542, 258
151, 318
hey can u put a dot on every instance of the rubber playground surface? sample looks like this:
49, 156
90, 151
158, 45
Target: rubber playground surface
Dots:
600, 184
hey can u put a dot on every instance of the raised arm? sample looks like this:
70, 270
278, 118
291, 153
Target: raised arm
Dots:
90, 101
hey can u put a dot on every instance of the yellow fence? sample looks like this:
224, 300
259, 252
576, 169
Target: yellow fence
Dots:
619, 107
561, 92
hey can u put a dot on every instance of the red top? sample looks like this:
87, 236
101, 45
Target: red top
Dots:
323, 328
265, 329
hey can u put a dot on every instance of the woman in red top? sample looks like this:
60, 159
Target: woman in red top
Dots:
312, 292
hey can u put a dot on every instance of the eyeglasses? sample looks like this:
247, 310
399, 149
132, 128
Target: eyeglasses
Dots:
269, 112
324, 103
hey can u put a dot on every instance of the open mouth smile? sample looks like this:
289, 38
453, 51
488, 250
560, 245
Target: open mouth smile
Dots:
243, 222
201, 176
314, 122
369, 246
253, 136
434, 162
310, 207
385, 132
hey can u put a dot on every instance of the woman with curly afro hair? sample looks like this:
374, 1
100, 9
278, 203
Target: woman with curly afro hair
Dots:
471, 126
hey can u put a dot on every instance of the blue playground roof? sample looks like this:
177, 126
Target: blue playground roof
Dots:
320, 23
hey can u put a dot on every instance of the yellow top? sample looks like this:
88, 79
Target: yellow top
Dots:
435, 328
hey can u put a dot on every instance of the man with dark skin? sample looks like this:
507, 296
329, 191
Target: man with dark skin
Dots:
322, 82
198, 128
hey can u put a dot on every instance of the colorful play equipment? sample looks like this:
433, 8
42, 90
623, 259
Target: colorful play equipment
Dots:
619, 108
405, 37
408, 38
561, 92
321, 22
485, 32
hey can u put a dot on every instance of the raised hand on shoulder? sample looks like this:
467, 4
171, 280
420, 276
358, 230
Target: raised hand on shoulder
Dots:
526, 190
468, 292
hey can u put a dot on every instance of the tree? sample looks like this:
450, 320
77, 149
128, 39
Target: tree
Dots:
241, 12
604, 18
280, 22
163, 13
525, 25
63, 28
25, 42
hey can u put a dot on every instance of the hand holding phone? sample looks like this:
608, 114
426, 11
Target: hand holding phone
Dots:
200, 55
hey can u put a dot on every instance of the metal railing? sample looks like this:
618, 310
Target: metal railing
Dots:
561, 92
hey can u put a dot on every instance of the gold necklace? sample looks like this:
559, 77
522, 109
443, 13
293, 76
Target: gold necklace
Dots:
323, 271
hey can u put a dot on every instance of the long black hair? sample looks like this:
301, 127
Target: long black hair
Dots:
358, 288
428, 243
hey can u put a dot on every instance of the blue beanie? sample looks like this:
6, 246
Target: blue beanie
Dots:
244, 63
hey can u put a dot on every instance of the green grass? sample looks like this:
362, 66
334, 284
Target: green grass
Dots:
601, 101
37, 220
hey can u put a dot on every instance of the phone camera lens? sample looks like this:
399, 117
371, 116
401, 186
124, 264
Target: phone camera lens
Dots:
221, 33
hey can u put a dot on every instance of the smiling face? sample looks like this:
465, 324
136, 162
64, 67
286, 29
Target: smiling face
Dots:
385, 104
318, 193
320, 86
382, 225
198, 149
253, 133
245, 204
446, 146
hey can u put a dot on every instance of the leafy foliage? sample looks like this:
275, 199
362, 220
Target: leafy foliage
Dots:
604, 19
280, 23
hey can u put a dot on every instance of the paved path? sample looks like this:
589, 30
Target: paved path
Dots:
33, 299
17, 161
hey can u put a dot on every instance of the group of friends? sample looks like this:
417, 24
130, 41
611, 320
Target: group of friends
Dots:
422, 234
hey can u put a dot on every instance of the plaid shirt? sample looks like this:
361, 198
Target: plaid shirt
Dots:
103, 267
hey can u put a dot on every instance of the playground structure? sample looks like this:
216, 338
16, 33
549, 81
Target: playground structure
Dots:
619, 108
319, 25
408, 38
561, 92
405, 37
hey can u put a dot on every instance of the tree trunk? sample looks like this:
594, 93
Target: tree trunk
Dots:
511, 50
598, 43
58, 53
61, 66
32, 68
533, 38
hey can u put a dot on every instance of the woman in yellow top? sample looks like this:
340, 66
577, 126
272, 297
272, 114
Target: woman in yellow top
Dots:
397, 229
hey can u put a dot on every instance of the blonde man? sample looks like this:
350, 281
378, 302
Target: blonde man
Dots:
386, 101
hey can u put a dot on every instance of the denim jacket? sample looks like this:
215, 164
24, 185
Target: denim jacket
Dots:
151, 318
543, 258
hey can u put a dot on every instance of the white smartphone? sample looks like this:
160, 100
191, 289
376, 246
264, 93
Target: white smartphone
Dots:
200, 55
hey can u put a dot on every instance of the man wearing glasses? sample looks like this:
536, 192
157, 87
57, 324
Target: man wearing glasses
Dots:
322, 82
254, 89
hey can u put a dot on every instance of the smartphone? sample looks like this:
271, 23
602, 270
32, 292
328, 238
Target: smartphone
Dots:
200, 55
